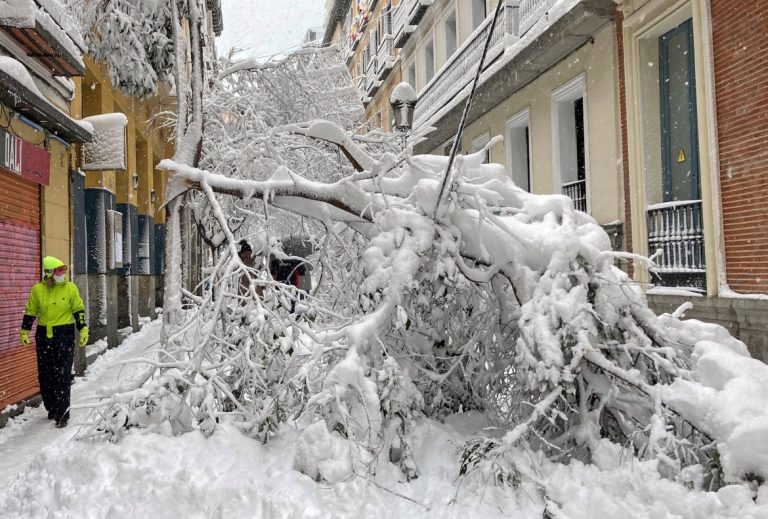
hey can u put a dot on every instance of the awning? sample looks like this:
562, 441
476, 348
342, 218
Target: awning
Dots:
21, 99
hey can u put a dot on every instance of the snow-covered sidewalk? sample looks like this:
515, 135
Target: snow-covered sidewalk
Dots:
29, 433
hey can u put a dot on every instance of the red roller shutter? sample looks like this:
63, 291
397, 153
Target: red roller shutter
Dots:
19, 270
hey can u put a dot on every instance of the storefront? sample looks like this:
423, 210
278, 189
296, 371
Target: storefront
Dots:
24, 168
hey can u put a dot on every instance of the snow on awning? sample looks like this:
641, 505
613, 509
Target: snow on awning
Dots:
41, 37
19, 92
108, 148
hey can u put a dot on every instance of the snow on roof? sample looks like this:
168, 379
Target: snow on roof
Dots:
19, 72
62, 37
52, 16
61, 16
17, 13
107, 150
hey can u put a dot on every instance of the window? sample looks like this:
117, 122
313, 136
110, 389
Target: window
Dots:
450, 34
570, 141
411, 74
480, 143
387, 19
429, 60
477, 13
669, 152
518, 143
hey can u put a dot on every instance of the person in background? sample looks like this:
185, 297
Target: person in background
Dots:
58, 308
245, 252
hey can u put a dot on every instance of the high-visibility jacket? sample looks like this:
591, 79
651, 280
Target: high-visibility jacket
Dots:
54, 305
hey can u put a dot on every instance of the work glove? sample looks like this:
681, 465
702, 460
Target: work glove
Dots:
83, 336
24, 337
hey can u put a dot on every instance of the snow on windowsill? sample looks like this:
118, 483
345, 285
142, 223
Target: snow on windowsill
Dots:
727, 293
674, 291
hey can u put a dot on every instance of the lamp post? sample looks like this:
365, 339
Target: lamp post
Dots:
403, 103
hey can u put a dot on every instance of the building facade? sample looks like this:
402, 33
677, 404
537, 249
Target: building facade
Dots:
695, 162
365, 30
650, 114
99, 212
38, 141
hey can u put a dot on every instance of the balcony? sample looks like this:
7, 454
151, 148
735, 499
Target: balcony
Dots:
677, 230
372, 82
531, 11
529, 38
459, 70
408, 13
577, 191
385, 57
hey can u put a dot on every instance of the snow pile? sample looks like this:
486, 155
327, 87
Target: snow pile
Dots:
107, 149
52, 17
61, 15
19, 72
727, 396
230, 475
60, 35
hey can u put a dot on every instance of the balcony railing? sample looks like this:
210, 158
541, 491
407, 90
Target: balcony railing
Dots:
385, 58
407, 14
577, 191
531, 12
372, 82
459, 70
677, 229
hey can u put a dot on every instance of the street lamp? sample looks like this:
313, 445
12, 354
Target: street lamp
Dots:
152, 195
135, 181
403, 103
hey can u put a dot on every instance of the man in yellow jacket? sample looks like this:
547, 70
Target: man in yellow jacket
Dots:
58, 308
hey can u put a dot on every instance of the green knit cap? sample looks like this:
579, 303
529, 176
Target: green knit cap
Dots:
51, 263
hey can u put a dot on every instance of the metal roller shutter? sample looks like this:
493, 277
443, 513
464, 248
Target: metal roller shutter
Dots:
19, 270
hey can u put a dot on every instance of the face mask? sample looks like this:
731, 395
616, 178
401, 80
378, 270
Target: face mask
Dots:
60, 279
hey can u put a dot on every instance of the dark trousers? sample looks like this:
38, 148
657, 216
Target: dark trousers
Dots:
54, 368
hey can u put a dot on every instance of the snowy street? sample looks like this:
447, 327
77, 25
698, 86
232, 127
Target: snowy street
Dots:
465, 259
45, 472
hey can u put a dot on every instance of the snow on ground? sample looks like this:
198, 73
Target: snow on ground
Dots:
31, 431
44, 473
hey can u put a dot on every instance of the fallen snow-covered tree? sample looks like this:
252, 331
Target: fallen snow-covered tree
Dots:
487, 298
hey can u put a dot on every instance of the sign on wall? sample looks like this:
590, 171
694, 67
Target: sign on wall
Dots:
114, 239
24, 158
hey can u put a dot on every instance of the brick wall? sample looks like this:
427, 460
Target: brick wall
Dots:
740, 38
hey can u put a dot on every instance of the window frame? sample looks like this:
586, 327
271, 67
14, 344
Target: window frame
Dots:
520, 120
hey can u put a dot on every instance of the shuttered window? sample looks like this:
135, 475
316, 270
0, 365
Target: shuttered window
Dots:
19, 270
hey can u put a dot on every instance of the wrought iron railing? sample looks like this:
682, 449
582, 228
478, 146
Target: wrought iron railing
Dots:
677, 229
577, 191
